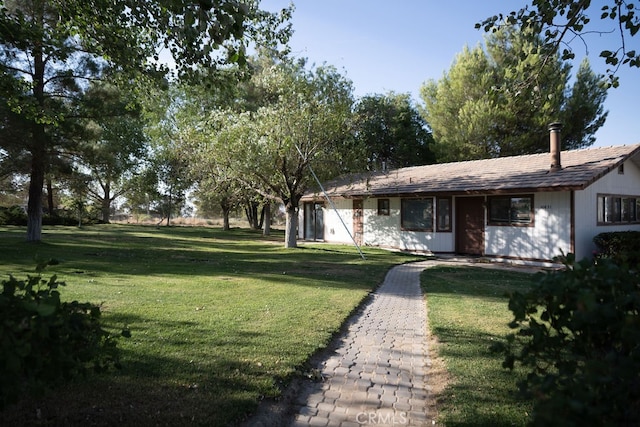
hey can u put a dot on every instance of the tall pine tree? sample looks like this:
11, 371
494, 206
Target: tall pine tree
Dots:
491, 104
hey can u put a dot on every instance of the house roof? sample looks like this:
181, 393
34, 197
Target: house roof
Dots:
527, 173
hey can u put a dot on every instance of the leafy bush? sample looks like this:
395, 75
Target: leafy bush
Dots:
621, 246
44, 341
578, 335
13, 215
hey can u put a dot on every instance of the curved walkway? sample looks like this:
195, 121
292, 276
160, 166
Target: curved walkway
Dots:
378, 374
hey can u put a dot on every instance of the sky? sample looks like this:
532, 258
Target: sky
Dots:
383, 46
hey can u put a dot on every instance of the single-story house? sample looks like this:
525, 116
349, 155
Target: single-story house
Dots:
527, 208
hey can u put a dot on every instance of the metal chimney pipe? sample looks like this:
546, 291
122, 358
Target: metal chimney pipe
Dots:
554, 145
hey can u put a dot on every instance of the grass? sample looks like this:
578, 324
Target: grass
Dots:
468, 312
219, 320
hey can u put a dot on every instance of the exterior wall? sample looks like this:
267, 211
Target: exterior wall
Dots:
385, 231
549, 236
334, 231
586, 202
379, 230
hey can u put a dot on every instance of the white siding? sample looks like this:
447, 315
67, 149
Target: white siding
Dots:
379, 230
549, 237
586, 206
334, 231
550, 234
385, 231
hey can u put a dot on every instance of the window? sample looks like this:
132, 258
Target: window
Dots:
511, 210
618, 209
417, 214
443, 214
383, 207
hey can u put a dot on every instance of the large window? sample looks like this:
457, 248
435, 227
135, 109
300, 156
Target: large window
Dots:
417, 214
618, 209
511, 210
443, 214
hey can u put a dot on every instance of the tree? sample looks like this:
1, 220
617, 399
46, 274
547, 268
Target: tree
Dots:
392, 132
172, 170
119, 145
51, 49
302, 118
143, 197
307, 124
584, 113
487, 105
560, 22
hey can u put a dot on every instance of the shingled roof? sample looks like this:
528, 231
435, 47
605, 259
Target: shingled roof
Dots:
527, 173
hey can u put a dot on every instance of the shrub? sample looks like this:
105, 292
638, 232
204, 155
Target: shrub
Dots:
13, 215
578, 335
621, 246
44, 341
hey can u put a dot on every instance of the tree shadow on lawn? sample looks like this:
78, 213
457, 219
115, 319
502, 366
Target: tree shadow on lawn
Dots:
465, 343
127, 399
483, 392
93, 253
154, 389
488, 284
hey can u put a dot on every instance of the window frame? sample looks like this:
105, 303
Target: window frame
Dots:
492, 200
618, 203
404, 209
384, 210
449, 226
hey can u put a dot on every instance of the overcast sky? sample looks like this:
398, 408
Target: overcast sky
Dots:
384, 46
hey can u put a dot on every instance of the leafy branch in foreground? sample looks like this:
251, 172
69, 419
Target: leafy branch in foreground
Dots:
561, 22
578, 335
44, 341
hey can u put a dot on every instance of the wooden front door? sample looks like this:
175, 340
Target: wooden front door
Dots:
470, 225
358, 226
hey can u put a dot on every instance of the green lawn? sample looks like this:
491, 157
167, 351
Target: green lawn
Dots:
219, 320
468, 312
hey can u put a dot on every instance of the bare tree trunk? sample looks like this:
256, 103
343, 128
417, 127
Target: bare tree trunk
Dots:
291, 230
226, 210
261, 219
251, 211
50, 197
34, 205
170, 207
106, 204
38, 151
266, 229
225, 219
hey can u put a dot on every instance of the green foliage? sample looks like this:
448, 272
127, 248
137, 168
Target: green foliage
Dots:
621, 246
220, 320
114, 155
302, 118
466, 308
560, 22
498, 100
392, 132
44, 341
12, 215
578, 335
51, 50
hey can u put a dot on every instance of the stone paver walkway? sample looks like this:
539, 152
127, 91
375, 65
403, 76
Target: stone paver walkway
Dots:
378, 374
